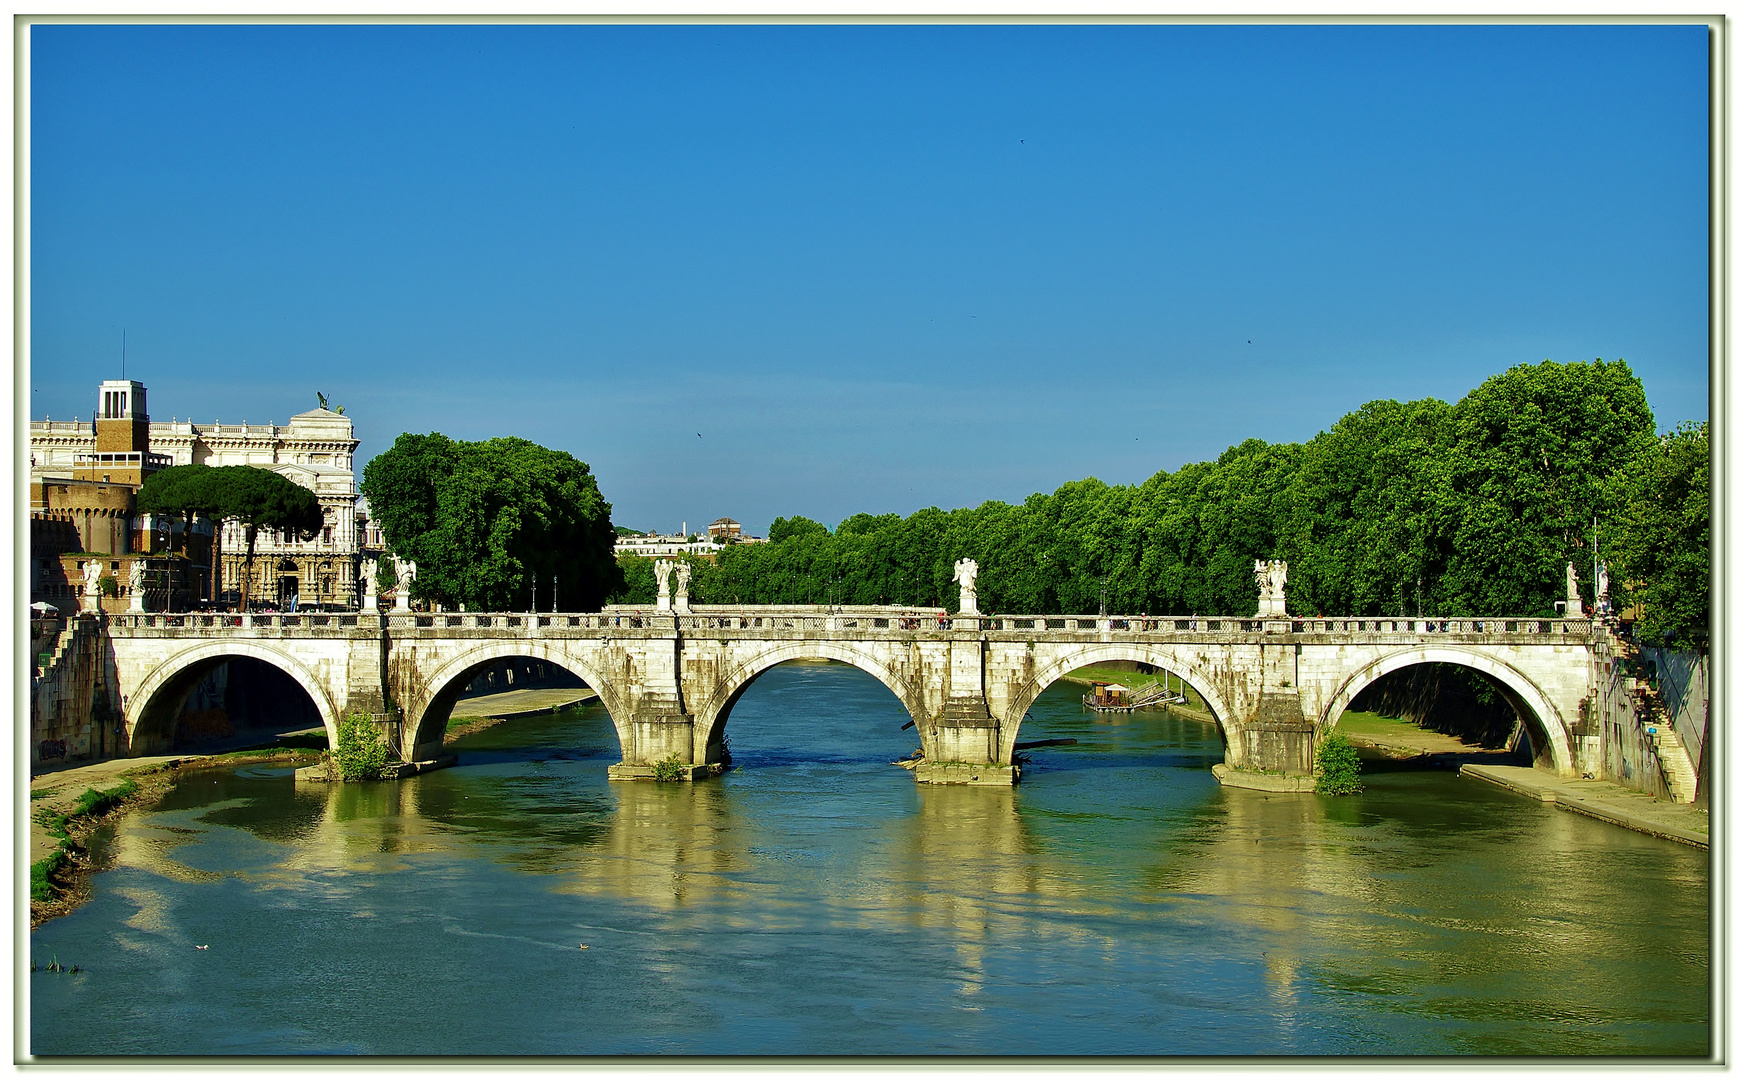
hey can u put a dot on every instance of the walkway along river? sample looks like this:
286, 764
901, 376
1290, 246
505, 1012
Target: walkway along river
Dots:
1119, 901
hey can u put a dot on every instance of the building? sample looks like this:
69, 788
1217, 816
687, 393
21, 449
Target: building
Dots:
653, 545
725, 529
120, 446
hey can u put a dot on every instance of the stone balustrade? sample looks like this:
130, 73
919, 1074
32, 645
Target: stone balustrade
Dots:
859, 620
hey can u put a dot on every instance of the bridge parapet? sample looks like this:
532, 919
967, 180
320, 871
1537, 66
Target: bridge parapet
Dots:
864, 622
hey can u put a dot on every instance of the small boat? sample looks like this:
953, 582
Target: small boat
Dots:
1108, 697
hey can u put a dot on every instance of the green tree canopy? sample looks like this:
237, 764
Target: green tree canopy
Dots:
257, 498
795, 528
483, 519
1660, 555
1466, 509
186, 490
1537, 453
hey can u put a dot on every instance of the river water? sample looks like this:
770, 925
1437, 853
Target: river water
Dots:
815, 900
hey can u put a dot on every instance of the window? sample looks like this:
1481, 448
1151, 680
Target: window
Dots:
327, 534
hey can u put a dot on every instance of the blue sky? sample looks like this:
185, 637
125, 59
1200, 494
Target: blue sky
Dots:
770, 270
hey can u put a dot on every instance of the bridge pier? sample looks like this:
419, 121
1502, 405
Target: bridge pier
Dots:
661, 740
1273, 749
963, 744
964, 749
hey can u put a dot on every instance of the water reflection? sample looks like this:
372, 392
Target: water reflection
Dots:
816, 900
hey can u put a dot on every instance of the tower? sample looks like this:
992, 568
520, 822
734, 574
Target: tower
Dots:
123, 429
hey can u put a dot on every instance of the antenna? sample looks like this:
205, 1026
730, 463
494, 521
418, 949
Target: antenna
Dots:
123, 354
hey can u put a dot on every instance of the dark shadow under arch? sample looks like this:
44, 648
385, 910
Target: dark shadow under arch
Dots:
154, 711
453, 679
1550, 740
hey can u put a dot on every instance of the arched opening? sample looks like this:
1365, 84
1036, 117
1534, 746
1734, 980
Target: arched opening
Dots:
505, 682
1143, 668
226, 699
1116, 706
1481, 703
812, 715
817, 657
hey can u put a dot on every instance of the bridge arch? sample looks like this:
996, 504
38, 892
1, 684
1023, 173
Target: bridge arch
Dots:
1070, 659
150, 713
711, 717
1532, 705
443, 687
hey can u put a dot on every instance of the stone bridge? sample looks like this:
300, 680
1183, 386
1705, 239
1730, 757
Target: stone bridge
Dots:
669, 681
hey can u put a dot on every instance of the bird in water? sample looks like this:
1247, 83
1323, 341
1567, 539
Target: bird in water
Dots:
202, 946
582, 946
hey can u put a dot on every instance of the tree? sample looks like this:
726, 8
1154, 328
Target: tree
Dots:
485, 521
1336, 766
361, 753
186, 490
257, 498
795, 528
262, 499
1537, 452
1661, 549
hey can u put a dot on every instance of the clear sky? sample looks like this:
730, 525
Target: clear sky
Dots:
769, 270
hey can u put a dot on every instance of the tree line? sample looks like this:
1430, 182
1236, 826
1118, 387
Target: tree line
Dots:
1465, 509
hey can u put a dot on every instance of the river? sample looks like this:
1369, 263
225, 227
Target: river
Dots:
815, 900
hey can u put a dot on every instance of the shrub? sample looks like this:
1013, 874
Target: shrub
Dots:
42, 874
672, 768
1336, 766
361, 753
96, 802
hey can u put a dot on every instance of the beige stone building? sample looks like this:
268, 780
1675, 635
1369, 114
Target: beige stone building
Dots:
314, 449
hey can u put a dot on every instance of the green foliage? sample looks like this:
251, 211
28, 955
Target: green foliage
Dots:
42, 874
257, 498
1336, 766
795, 528
482, 519
386, 575
108, 586
1661, 553
1466, 509
361, 753
1536, 454
638, 583
94, 802
669, 770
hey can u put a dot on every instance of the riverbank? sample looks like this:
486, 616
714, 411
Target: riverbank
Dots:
69, 804
1393, 739
1194, 709
1399, 740
473, 715
1604, 801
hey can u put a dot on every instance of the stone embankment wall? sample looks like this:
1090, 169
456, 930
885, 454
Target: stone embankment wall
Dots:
1684, 688
1628, 753
73, 708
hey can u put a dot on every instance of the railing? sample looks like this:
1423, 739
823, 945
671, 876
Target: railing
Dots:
855, 622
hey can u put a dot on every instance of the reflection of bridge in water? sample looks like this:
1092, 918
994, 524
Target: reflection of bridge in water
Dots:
669, 681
